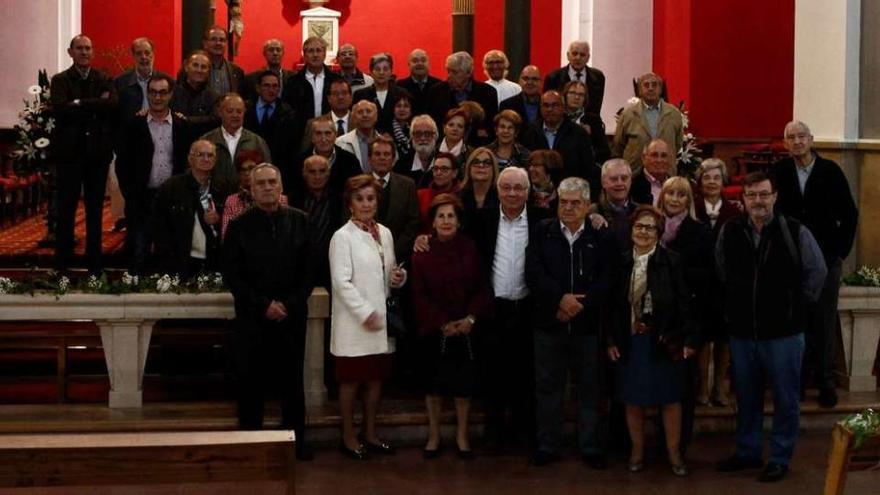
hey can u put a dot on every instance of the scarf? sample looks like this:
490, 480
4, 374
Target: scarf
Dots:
671, 230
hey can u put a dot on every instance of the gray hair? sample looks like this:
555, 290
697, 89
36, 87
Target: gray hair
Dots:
462, 60
614, 162
649, 75
273, 41
574, 184
261, 167
521, 172
423, 119
795, 123
712, 164
381, 57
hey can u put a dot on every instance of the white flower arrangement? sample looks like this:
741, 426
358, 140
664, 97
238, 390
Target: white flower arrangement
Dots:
34, 130
94, 283
865, 276
129, 279
6, 285
63, 285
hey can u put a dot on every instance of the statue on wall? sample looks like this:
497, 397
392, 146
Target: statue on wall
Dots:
236, 24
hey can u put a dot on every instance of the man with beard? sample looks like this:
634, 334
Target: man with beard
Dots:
417, 164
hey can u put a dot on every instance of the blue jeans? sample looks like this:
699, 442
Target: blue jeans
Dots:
556, 352
754, 362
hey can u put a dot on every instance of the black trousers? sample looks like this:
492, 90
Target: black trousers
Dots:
270, 355
822, 330
90, 177
138, 206
510, 382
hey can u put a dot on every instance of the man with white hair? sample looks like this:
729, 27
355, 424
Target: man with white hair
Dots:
814, 190
417, 164
460, 86
420, 81
495, 66
569, 267
578, 55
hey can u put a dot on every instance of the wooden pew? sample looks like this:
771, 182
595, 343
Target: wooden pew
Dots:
164, 461
844, 458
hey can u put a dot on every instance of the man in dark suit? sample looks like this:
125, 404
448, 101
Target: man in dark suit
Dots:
460, 86
310, 87
578, 56
420, 81
528, 103
273, 52
271, 118
502, 234
398, 203
814, 190
225, 76
417, 164
340, 112
343, 165
131, 87
155, 148
268, 264
555, 132
192, 97
83, 101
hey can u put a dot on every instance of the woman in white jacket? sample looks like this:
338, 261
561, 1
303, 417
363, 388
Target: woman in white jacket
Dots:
363, 271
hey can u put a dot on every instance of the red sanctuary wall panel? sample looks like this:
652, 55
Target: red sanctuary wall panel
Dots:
546, 35
488, 32
672, 47
743, 68
112, 25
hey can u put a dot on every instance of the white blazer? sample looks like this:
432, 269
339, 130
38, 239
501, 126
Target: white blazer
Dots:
361, 285
349, 142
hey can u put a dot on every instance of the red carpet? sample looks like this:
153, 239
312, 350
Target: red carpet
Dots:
19, 242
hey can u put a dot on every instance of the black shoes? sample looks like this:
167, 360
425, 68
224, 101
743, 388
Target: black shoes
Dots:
595, 461
359, 454
736, 463
383, 447
773, 472
827, 397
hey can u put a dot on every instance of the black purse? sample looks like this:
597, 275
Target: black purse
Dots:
394, 317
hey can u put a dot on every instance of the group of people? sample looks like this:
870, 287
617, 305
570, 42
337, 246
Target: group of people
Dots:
536, 251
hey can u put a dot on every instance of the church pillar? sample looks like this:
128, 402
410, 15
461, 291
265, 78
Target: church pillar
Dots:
463, 26
517, 26
197, 16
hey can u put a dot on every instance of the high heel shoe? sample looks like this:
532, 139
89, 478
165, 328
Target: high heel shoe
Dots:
431, 453
464, 454
358, 454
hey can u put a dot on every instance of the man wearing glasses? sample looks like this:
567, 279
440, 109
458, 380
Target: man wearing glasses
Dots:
186, 216
154, 148
527, 103
772, 269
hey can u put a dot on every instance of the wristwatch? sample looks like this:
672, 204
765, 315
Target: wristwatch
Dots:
470, 319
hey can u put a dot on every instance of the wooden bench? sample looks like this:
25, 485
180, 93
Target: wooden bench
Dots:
844, 458
160, 460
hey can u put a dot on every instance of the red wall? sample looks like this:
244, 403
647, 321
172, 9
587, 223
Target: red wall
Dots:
112, 28
546, 35
732, 61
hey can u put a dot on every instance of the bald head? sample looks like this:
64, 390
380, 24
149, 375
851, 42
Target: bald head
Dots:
80, 51
418, 63
530, 81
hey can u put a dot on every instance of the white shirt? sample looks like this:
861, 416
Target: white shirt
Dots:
382, 96
509, 264
199, 247
570, 236
572, 74
504, 88
418, 165
231, 140
383, 179
456, 150
343, 118
163, 150
317, 82
712, 211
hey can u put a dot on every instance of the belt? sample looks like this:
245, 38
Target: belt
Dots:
502, 304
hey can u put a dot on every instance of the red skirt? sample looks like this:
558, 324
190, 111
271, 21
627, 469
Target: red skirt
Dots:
369, 368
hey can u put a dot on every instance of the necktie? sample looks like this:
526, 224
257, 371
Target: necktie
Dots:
383, 181
577, 75
340, 129
267, 114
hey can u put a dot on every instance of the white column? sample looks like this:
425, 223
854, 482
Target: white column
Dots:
36, 37
826, 67
621, 37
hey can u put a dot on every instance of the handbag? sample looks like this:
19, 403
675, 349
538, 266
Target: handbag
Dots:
394, 317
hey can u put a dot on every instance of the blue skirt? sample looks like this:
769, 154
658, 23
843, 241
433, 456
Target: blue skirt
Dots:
647, 378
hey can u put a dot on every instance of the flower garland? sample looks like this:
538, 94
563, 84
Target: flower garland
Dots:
865, 276
127, 284
862, 425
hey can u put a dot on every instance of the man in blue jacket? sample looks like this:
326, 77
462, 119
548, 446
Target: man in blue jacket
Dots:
568, 269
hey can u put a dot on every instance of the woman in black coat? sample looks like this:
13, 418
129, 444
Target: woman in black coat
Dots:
649, 334
714, 210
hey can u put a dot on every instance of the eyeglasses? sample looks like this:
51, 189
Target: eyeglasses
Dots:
512, 188
423, 134
203, 154
751, 196
645, 227
443, 169
482, 163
